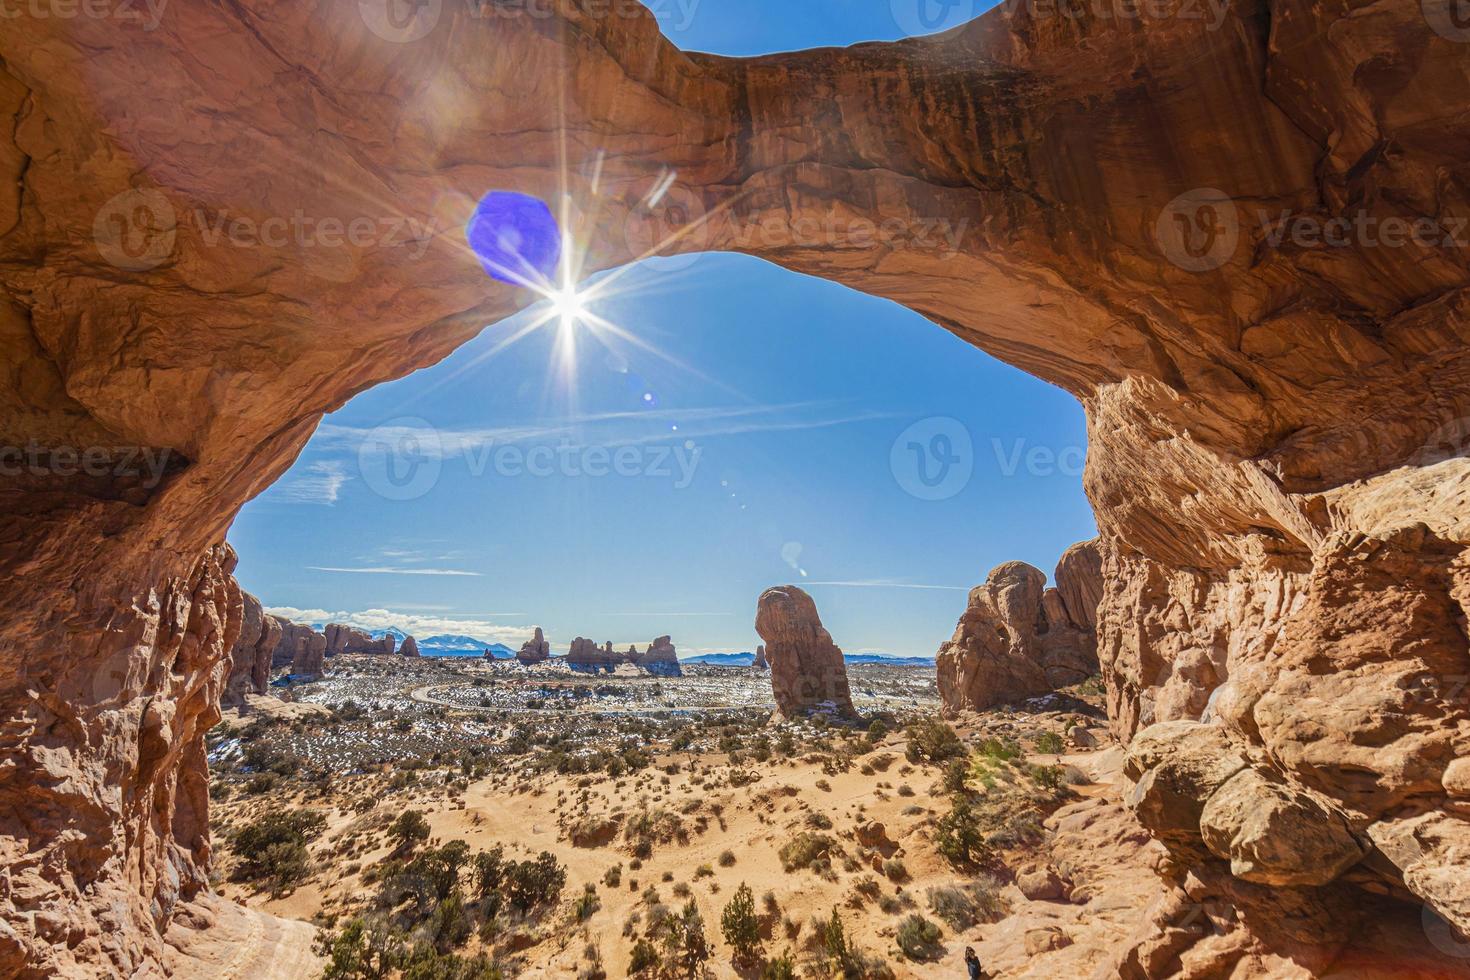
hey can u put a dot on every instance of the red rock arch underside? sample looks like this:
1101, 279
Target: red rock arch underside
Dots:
1284, 557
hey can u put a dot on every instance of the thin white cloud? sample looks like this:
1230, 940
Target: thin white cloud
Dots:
886, 584
610, 429
391, 570
666, 615
320, 484
410, 623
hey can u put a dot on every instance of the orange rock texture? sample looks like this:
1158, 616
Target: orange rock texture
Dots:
1240, 241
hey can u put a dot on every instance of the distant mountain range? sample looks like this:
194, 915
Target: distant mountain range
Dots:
448, 644
746, 659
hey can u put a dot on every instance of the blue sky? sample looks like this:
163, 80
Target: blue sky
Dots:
755, 428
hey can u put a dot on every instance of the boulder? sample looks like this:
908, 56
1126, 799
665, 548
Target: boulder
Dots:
807, 670
1019, 639
535, 650
1042, 885
1276, 835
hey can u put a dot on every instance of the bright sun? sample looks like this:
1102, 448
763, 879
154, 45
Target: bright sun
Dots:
567, 306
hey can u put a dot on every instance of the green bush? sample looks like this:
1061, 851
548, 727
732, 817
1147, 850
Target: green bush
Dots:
962, 906
408, 829
918, 938
533, 883
1050, 743
931, 740
958, 835
740, 925
273, 848
804, 850
645, 957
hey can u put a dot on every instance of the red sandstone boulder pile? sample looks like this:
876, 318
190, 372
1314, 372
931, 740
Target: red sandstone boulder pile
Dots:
807, 670
1019, 639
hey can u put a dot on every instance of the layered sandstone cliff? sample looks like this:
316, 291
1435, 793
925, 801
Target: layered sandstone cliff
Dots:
807, 670
1019, 639
1124, 207
250, 657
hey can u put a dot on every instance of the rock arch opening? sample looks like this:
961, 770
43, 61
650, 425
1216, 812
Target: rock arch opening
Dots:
1283, 529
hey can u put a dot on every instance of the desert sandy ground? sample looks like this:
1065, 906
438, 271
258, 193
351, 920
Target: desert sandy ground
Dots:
720, 821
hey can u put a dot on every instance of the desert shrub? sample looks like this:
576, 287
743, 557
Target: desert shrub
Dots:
962, 906
408, 829
931, 740
740, 925
727, 859
894, 870
614, 876
1048, 777
956, 775
958, 835
1000, 749
450, 924
587, 903
782, 967
918, 938
358, 952
818, 821
804, 850
1050, 743
534, 883
644, 957
1072, 776
273, 848
261, 782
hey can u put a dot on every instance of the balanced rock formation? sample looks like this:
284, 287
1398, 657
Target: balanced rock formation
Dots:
410, 647
1018, 639
349, 639
807, 670
660, 659
302, 650
535, 650
1134, 209
760, 658
251, 656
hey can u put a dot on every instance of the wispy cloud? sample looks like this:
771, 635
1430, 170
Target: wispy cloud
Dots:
320, 484
411, 623
666, 615
611, 429
390, 570
889, 584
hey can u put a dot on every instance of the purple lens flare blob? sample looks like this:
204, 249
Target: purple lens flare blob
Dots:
516, 238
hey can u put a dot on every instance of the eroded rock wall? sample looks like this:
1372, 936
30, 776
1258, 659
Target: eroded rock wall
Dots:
251, 656
1097, 201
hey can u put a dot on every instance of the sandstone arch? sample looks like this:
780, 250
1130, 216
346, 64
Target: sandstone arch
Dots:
1265, 434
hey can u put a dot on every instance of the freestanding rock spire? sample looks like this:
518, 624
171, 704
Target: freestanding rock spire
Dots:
535, 650
760, 658
807, 669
